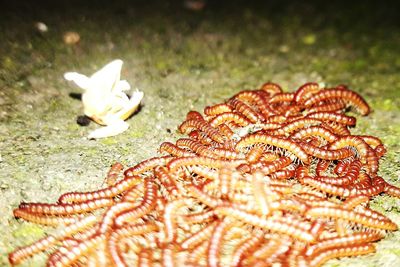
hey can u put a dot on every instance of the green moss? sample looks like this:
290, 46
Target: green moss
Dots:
387, 104
137, 134
309, 39
29, 230
108, 141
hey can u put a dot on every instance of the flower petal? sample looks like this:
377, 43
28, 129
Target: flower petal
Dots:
112, 129
122, 86
104, 80
131, 106
79, 79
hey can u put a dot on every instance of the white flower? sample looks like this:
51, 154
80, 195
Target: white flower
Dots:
104, 99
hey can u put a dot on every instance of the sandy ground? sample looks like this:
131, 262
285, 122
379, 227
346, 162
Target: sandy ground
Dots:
183, 60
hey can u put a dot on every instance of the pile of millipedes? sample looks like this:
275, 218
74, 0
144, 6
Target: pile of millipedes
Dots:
265, 177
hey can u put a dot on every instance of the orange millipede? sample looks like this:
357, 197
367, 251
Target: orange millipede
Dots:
225, 176
124, 185
254, 98
372, 161
282, 174
347, 178
169, 218
269, 252
336, 128
203, 138
72, 255
113, 173
217, 109
380, 222
341, 167
275, 119
327, 154
340, 251
226, 130
226, 154
146, 165
392, 190
198, 237
168, 181
200, 217
352, 98
145, 258
305, 91
236, 118
377, 187
246, 247
373, 141
281, 227
335, 105
296, 125
43, 244
244, 109
175, 164
216, 239
315, 131
271, 88
321, 167
147, 204
203, 126
357, 143
281, 97
62, 209
284, 143
254, 154
119, 234
195, 146
194, 115
114, 212
380, 151
334, 117
174, 150
260, 193
342, 191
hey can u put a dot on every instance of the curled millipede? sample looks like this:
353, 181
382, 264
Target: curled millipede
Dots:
247, 111
271, 88
305, 91
321, 132
352, 98
217, 109
174, 150
279, 142
113, 173
266, 178
236, 118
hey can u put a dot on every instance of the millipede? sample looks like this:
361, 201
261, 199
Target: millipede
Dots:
266, 177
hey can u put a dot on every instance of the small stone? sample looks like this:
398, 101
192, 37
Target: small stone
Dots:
41, 27
83, 120
71, 38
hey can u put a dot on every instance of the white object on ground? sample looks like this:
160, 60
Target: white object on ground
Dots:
104, 99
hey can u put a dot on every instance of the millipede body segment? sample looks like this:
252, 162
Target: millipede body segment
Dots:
267, 177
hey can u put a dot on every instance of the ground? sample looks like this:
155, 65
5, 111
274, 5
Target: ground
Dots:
182, 60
